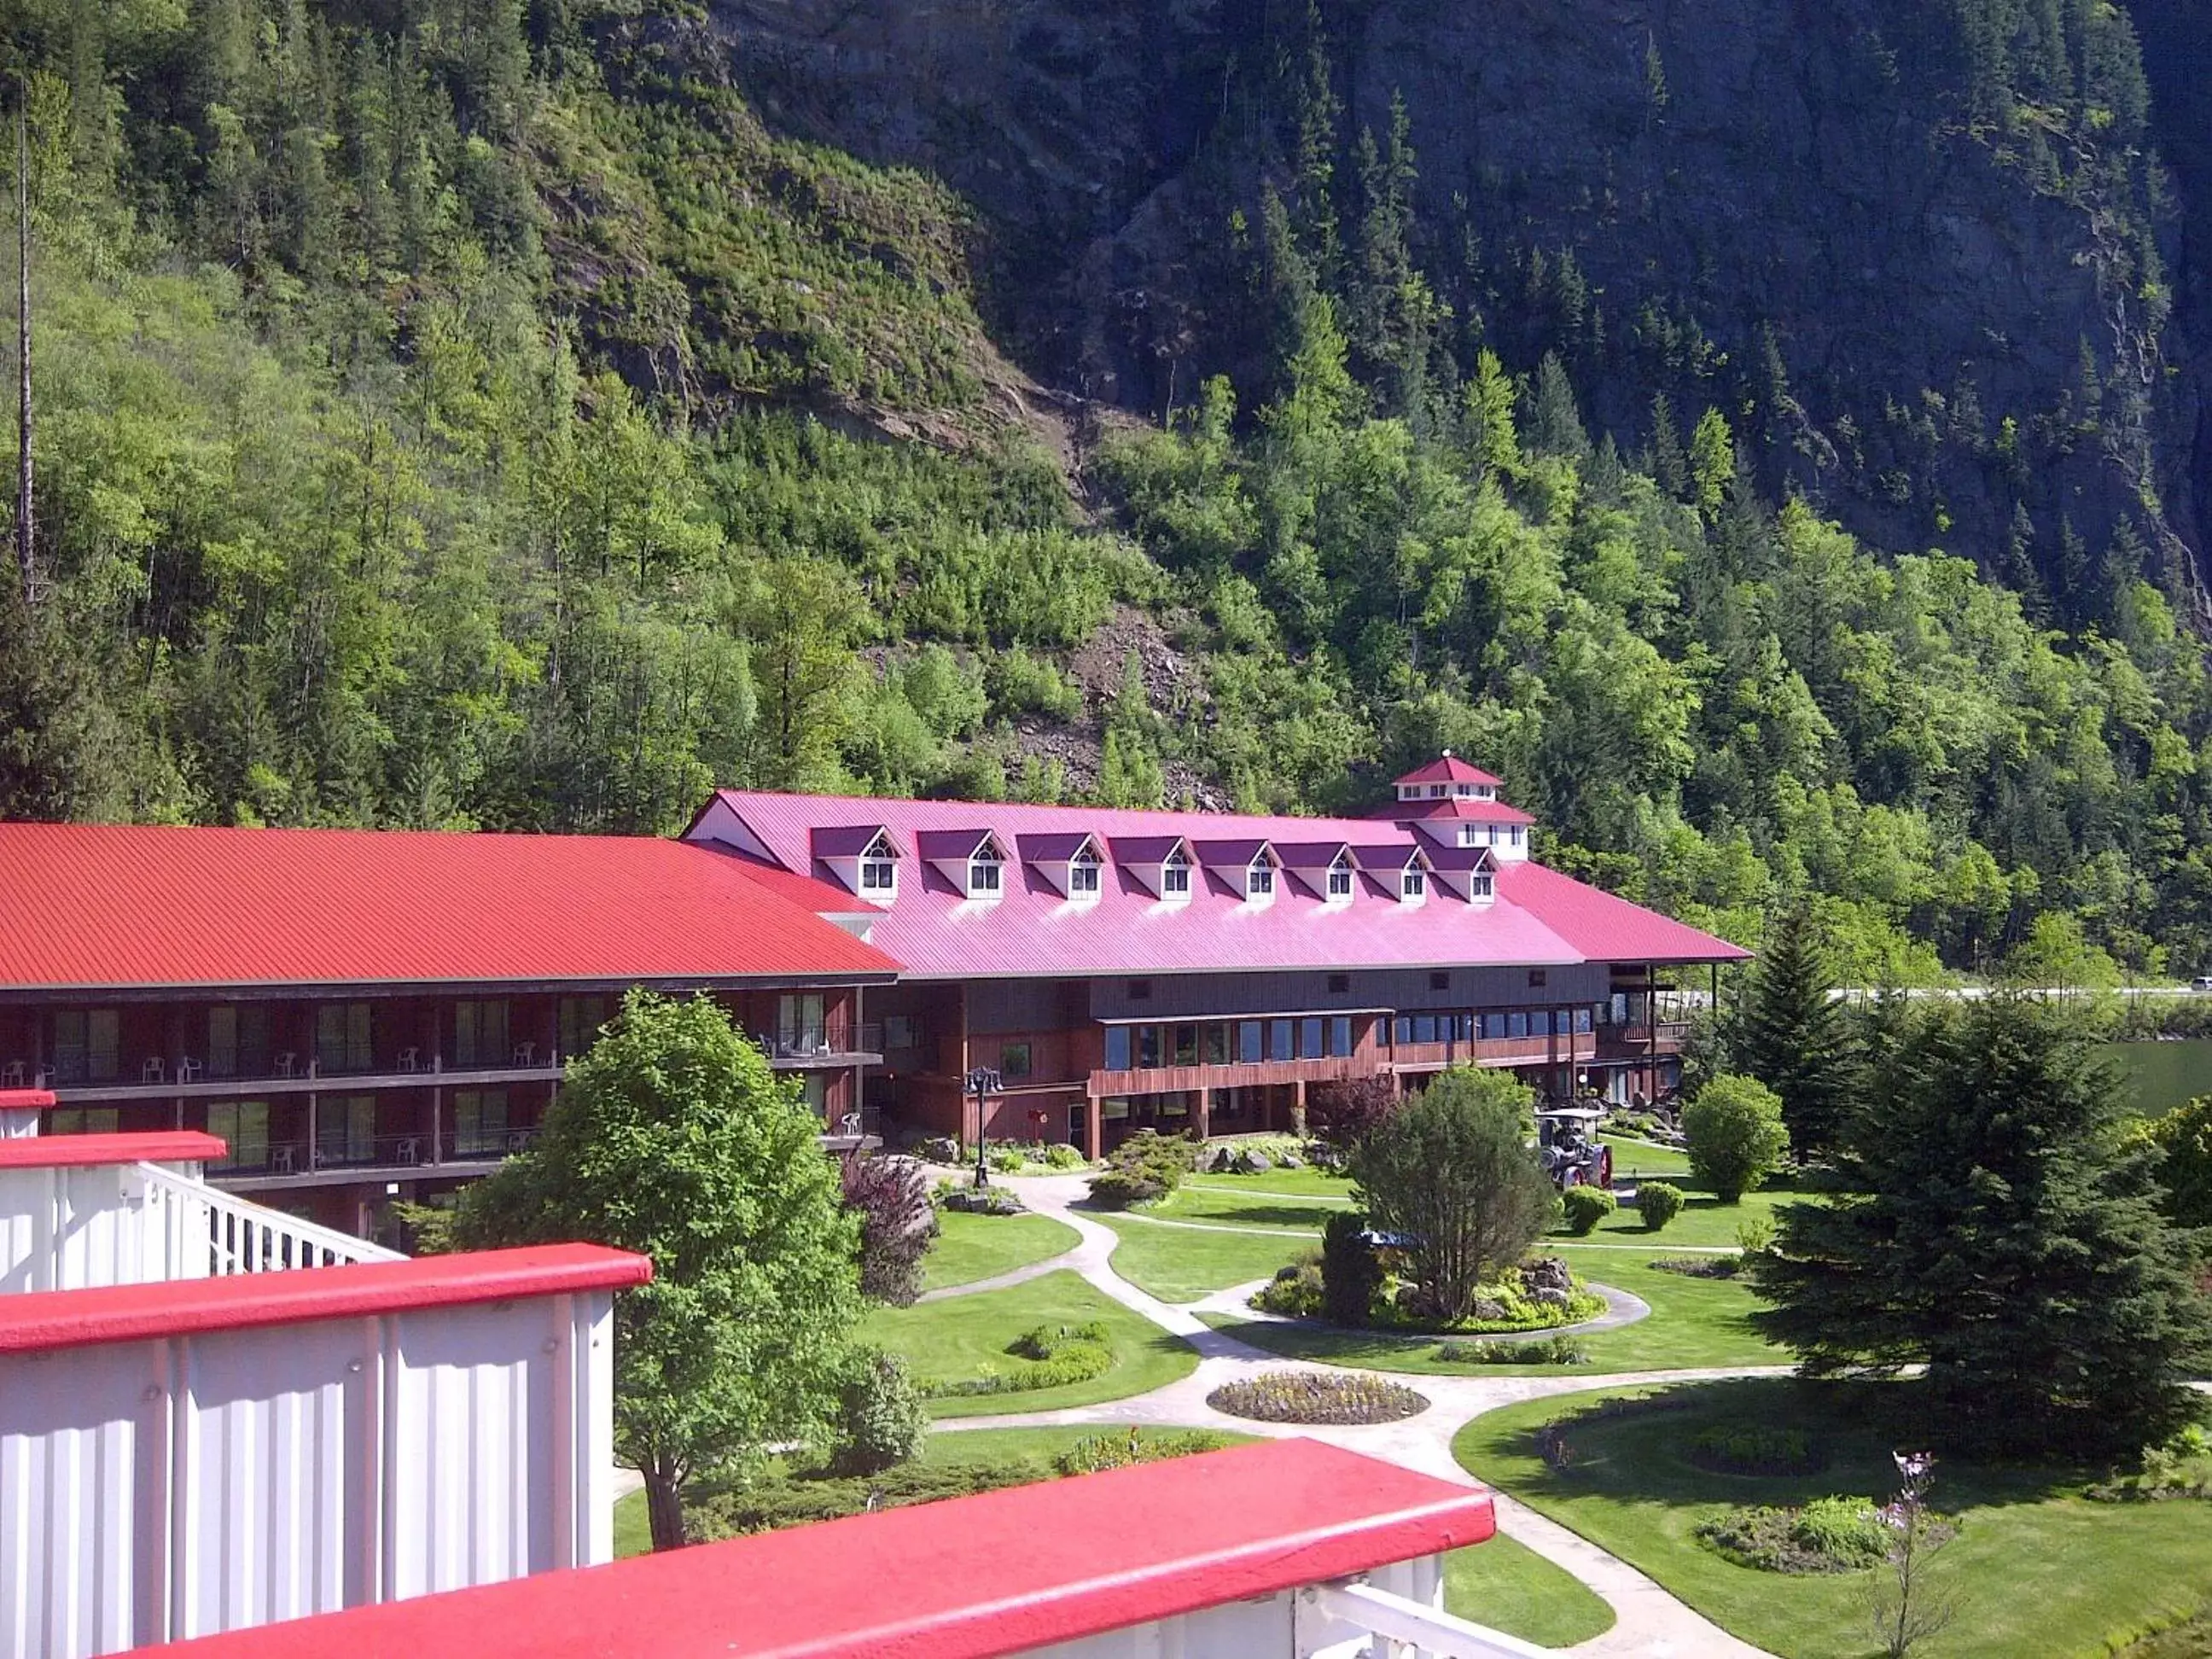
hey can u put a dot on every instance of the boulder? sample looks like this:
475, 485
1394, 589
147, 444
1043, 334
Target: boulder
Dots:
1288, 1161
1484, 1309
1547, 1273
1254, 1164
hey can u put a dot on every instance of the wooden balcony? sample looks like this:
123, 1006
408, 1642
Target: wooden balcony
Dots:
1494, 1051
1635, 1042
1175, 1079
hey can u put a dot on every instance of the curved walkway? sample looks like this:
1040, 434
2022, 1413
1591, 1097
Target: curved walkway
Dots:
1620, 1308
1648, 1621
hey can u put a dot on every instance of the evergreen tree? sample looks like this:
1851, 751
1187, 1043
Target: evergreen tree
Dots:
1795, 1038
1993, 1227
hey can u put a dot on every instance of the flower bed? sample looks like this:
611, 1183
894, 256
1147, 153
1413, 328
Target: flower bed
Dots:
1540, 1295
1318, 1397
1829, 1534
1756, 1448
1048, 1357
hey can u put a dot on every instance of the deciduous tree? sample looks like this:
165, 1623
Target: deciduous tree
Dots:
673, 1138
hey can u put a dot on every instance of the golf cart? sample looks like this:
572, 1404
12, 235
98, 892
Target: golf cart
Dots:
1567, 1147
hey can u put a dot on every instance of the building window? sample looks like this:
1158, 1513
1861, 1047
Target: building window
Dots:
902, 1031
243, 1126
1340, 984
1581, 1020
1140, 990
1148, 1048
345, 1129
1340, 1037
1309, 1039
1493, 834
480, 1034
479, 1122
1217, 1045
1440, 981
237, 1040
1402, 1030
1260, 881
983, 875
1082, 876
1014, 1059
1517, 1025
1425, 1028
1479, 888
1117, 1048
1186, 1045
878, 875
82, 1120
1537, 976
1279, 1040
1493, 1028
1114, 1109
581, 1018
800, 1027
88, 1045
1339, 880
1468, 832
1514, 833
1174, 877
1435, 792
341, 1038
1414, 884
1250, 1049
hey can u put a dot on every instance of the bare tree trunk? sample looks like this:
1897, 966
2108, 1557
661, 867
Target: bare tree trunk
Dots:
663, 1507
25, 524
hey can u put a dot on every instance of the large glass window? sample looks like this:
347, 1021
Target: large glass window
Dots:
82, 1120
1279, 1040
1148, 1046
1493, 1027
1117, 1048
1310, 1038
345, 1129
1517, 1025
341, 1038
479, 1122
1425, 1028
480, 1034
1403, 1032
88, 1045
1186, 1045
242, 1126
1217, 1045
580, 1020
1582, 1019
1250, 1045
237, 1040
1463, 1028
798, 1023
1339, 1036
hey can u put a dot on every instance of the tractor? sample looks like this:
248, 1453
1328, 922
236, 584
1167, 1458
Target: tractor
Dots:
1567, 1147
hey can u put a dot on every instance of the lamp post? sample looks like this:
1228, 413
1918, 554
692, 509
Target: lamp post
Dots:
982, 1083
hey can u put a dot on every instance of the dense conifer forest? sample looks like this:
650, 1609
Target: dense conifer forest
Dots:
474, 413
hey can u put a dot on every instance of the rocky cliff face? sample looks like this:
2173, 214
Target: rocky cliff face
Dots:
1947, 328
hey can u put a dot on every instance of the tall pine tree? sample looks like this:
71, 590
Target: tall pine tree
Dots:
1995, 1227
1792, 1034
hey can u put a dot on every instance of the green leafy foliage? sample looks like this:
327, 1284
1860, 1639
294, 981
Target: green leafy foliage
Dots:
2182, 1141
1451, 1179
1585, 1206
1735, 1135
881, 1419
1350, 1273
1659, 1202
673, 1138
1995, 1227
1046, 1356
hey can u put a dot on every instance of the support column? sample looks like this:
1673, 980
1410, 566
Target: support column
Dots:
1298, 1107
1202, 1115
1094, 1126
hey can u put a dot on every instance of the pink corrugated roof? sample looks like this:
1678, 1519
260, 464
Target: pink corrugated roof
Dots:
1032, 930
1604, 927
1449, 769
1453, 807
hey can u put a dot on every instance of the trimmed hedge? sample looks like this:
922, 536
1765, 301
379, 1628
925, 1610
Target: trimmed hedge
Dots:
1659, 1202
1048, 1357
1585, 1206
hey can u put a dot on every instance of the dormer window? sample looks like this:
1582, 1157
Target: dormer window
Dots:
983, 871
879, 877
1339, 880
1478, 887
1083, 875
1414, 885
1260, 880
1174, 877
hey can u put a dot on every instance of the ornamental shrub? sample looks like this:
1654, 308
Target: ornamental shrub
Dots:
1297, 1290
1046, 1356
1117, 1189
880, 1417
1343, 1113
1755, 1449
1658, 1202
891, 1196
1118, 1451
1736, 1134
1585, 1206
1163, 1158
1317, 1397
1350, 1275
1829, 1534
1061, 1156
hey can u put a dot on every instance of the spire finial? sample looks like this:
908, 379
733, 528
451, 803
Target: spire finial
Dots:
1448, 753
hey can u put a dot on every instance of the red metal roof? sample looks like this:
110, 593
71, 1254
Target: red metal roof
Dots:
129, 906
847, 840
26, 1100
1052, 848
38, 1320
1461, 807
1448, 768
81, 1151
1604, 927
1000, 1572
1034, 930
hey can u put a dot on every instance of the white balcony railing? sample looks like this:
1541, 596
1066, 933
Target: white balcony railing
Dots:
204, 1233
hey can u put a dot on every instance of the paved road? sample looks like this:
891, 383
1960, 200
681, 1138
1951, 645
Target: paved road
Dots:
1647, 1620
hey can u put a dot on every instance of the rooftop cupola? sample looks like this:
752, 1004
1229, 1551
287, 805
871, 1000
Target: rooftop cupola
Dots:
1447, 778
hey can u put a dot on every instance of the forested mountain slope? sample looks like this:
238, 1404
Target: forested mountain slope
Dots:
527, 415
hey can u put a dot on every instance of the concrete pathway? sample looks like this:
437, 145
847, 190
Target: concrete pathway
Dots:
1620, 1308
1647, 1620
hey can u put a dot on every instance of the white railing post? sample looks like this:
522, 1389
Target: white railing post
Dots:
214, 1233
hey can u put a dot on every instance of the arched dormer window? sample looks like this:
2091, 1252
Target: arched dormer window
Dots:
1083, 875
1175, 876
1339, 880
1260, 879
878, 871
985, 873
1413, 884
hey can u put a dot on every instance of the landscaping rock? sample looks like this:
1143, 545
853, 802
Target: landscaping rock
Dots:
1547, 1296
1547, 1273
1289, 1161
1485, 1310
1254, 1164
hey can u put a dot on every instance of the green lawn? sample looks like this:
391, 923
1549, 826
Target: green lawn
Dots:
1181, 1264
957, 1338
1694, 1323
2037, 1569
973, 1247
996, 1447
1634, 1157
1704, 1220
1509, 1587
1302, 1182
1210, 1203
